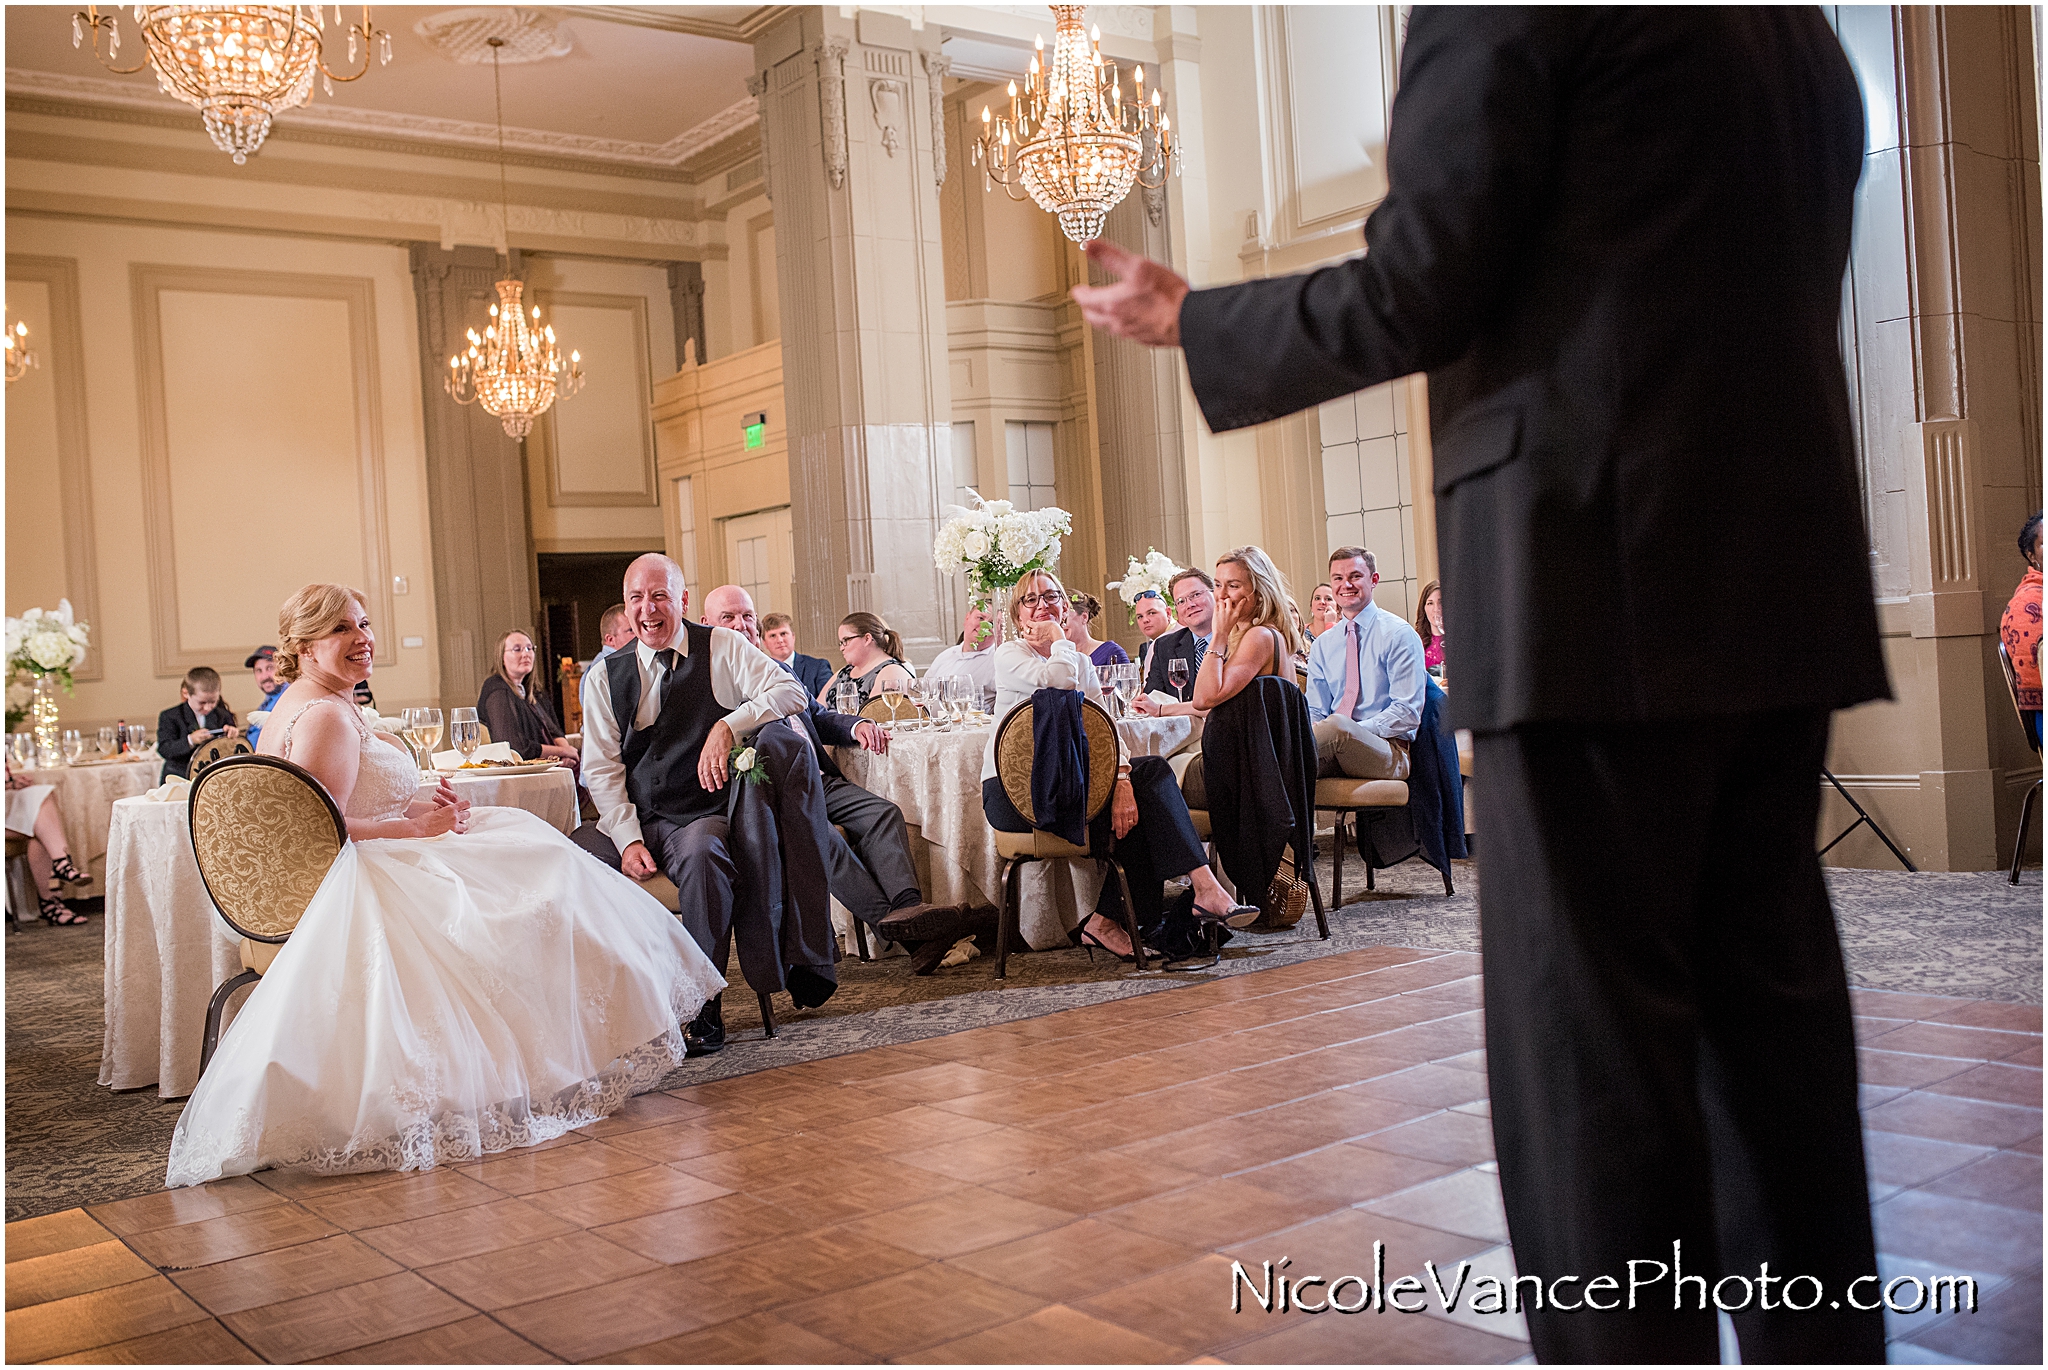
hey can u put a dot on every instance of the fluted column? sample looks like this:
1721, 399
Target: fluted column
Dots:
848, 124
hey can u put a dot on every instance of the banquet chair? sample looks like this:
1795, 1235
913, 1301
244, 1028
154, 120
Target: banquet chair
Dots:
2012, 690
264, 833
17, 872
1014, 749
217, 749
1342, 796
877, 710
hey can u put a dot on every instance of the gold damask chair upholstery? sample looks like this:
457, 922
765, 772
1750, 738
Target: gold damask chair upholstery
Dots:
264, 833
878, 710
1014, 750
217, 749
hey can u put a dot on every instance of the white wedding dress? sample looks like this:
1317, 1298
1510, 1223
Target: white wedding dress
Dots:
443, 998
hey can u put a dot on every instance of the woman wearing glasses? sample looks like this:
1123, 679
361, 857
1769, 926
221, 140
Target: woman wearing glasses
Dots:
874, 659
1155, 840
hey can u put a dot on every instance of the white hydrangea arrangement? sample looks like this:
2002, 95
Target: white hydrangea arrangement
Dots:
1151, 576
997, 544
42, 643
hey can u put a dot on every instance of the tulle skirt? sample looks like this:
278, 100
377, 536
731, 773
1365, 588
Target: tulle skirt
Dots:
444, 998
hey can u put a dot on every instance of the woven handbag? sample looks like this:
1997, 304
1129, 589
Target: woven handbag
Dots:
1286, 898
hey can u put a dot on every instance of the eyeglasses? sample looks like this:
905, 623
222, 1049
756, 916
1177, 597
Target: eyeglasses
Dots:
1050, 599
855, 638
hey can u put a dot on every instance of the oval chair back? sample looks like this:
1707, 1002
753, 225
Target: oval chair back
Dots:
264, 833
878, 710
1015, 749
217, 749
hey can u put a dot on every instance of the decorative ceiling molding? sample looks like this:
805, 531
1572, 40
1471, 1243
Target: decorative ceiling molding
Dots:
436, 134
744, 30
462, 35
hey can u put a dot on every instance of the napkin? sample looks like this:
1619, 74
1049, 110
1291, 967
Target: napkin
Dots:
1162, 697
490, 751
172, 791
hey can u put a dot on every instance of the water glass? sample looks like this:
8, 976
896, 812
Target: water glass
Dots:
22, 747
465, 732
74, 746
138, 739
109, 740
846, 699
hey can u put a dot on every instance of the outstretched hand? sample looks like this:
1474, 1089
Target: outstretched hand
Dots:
1142, 305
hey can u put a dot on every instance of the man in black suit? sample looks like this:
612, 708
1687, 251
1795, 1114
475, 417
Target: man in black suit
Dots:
778, 639
869, 868
1194, 604
1615, 240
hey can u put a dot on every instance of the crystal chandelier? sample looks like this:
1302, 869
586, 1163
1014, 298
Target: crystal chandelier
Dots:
238, 65
512, 369
1071, 139
19, 358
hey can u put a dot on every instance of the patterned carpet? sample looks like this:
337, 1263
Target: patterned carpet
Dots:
70, 1142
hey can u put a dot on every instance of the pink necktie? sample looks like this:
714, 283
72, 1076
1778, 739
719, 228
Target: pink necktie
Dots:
1348, 701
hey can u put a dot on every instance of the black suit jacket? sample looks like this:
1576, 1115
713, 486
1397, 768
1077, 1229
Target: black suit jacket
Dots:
1178, 643
1615, 240
812, 671
174, 729
827, 728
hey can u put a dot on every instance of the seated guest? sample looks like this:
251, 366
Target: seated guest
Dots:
974, 656
1154, 621
2020, 630
1301, 637
32, 813
1365, 679
1429, 626
1255, 636
870, 869
517, 713
1322, 611
1153, 836
1194, 604
778, 639
263, 663
614, 630
464, 983
874, 658
1085, 608
657, 751
199, 716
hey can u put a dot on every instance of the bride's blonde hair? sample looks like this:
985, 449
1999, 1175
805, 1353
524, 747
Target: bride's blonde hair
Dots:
307, 615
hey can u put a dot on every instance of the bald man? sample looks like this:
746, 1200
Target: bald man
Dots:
870, 868
658, 735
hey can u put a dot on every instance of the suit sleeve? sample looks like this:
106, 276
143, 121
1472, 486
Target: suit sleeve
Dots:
834, 729
173, 740
1468, 156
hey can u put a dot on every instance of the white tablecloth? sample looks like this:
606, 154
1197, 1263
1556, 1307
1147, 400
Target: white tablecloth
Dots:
167, 949
935, 778
86, 796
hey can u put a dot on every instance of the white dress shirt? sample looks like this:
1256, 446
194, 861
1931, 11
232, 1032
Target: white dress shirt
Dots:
1390, 674
744, 679
979, 667
1021, 672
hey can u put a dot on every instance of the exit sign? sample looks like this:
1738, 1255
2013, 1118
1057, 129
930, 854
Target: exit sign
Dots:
756, 428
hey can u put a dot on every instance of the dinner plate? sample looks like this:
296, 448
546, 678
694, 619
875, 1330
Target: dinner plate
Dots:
525, 768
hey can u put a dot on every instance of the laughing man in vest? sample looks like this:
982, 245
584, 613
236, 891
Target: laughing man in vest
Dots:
657, 744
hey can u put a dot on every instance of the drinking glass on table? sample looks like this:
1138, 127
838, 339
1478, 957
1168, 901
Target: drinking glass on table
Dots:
74, 746
465, 732
109, 740
138, 739
1106, 677
846, 699
430, 733
1177, 673
22, 747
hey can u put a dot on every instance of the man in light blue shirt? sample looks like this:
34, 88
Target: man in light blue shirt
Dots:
1365, 679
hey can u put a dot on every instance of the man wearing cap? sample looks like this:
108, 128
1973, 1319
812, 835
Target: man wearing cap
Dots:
263, 663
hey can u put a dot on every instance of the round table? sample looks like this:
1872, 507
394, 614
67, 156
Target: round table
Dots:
167, 949
934, 777
85, 796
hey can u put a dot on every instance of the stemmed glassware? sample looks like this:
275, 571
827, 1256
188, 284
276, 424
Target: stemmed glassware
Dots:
1107, 676
138, 739
465, 732
74, 746
22, 747
423, 730
109, 740
1177, 673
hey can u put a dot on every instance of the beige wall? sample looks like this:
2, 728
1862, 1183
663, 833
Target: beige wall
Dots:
266, 433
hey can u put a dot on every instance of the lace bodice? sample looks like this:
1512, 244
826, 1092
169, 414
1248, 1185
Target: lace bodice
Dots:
385, 779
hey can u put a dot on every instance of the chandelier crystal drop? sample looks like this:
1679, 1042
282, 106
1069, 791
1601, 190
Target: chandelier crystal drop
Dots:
514, 370
18, 356
1071, 138
238, 65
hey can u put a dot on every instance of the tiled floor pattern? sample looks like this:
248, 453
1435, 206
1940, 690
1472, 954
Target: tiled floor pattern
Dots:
1066, 1188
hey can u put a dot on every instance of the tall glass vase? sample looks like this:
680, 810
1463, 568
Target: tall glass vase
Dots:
999, 608
43, 720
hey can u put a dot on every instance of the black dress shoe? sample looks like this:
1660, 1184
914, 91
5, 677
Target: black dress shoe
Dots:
705, 1034
925, 923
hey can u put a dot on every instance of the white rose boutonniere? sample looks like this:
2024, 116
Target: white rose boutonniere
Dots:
747, 766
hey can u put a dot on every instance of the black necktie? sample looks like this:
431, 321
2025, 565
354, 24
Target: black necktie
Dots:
1201, 650
667, 657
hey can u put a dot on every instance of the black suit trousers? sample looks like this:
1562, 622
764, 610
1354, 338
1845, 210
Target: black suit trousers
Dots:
870, 870
1668, 1031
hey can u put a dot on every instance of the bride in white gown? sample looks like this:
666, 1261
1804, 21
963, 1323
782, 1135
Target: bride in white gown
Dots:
463, 982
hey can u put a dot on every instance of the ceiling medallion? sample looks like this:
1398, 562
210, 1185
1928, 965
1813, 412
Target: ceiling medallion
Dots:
1070, 139
238, 65
512, 369
464, 35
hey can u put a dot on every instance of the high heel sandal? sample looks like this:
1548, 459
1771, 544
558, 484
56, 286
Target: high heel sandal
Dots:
59, 914
1090, 942
62, 870
1237, 916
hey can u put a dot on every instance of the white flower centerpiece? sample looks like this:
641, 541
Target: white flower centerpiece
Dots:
1151, 576
997, 544
43, 648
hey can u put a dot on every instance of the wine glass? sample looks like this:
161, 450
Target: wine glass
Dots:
1106, 678
74, 746
465, 731
22, 747
1127, 684
1177, 673
429, 724
892, 695
846, 699
109, 739
138, 739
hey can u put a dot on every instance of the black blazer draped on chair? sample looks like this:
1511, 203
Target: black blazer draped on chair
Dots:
1644, 467
1259, 766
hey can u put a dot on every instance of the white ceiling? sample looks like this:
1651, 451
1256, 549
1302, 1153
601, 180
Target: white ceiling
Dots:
632, 88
